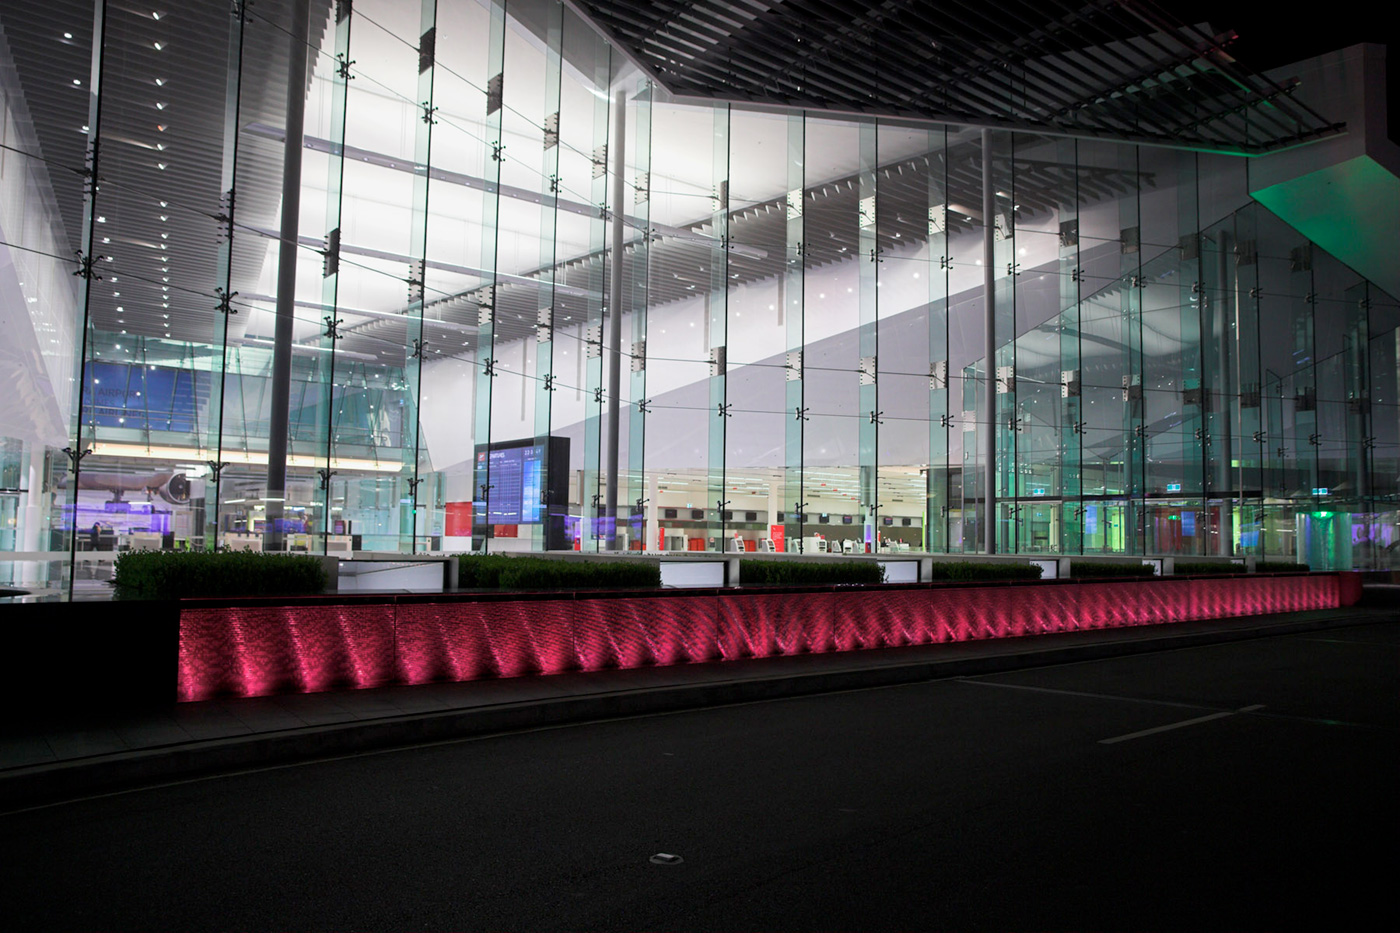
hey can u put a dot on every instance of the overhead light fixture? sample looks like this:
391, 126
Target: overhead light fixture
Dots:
160, 105
77, 81
160, 82
158, 46
67, 35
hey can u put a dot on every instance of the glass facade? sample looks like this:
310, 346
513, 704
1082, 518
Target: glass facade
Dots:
802, 357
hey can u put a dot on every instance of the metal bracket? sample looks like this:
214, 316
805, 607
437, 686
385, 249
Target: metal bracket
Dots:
325, 473
342, 67
723, 409
215, 468
875, 417
225, 305
419, 345
801, 414
429, 113
332, 327
87, 266
75, 457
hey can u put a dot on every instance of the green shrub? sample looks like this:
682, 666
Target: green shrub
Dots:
809, 573
481, 571
500, 571
1079, 569
180, 574
1198, 567
984, 570
1280, 566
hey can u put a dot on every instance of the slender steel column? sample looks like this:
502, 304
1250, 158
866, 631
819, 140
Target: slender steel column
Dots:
286, 273
1226, 532
87, 273
619, 150
989, 434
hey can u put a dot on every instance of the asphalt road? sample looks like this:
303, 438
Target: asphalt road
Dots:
1249, 785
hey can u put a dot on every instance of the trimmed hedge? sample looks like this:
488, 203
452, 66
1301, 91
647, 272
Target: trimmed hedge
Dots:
980, 570
180, 574
808, 573
1280, 566
1081, 569
500, 571
1201, 567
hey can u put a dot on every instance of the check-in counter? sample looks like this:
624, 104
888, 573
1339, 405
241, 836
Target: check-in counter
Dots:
237, 541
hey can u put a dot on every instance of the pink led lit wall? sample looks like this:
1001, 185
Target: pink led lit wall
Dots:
259, 650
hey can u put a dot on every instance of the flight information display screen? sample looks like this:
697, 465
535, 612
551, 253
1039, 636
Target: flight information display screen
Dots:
517, 484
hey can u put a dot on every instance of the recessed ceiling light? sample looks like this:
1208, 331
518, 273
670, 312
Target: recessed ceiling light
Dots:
160, 82
158, 46
160, 105
77, 81
67, 35
155, 15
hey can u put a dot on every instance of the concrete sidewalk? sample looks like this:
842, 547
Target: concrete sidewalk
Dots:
42, 762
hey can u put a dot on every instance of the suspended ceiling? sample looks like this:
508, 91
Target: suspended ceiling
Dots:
1120, 69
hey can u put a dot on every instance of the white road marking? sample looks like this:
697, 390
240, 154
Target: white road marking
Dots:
1179, 725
